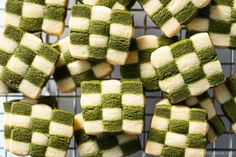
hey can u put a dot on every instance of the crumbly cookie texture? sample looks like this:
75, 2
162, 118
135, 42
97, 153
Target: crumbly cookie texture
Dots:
138, 65
70, 72
225, 94
169, 15
112, 107
27, 63
36, 15
177, 131
36, 129
188, 67
107, 146
99, 33
219, 20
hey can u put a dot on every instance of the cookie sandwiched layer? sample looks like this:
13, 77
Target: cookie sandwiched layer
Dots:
70, 72
177, 131
36, 15
30, 63
138, 65
113, 4
115, 107
216, 125
219, 20
99, 33
225, 94
106, 146
170, 15
187, 68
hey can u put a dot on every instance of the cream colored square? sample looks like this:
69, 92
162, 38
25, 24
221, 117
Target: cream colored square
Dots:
198, 128
43, 65
170, 84
87, 101
180, 113
78, 67
161, 56
111, 86
176, 140
160, 123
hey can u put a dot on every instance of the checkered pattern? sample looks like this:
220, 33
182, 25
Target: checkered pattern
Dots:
71, 72
138, 65
115, 107
177, 131
27, 63
169, 15
113, 4
219, 20
106, 146
188, 67
99, 33
36, 15
216, 125
38, 129
225, 94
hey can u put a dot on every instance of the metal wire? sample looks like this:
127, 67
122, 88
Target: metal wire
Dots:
225, 146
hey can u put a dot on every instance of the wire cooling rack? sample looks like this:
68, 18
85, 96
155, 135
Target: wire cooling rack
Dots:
225, 146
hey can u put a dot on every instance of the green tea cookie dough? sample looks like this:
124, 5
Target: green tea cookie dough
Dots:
99, 33
105, 146
112, 107
177, 131
225, 94
169, 15
71, 72
138, 65
219, 19
188, 67
36, 15
29, 62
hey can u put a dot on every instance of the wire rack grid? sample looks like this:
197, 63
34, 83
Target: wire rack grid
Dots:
225, 146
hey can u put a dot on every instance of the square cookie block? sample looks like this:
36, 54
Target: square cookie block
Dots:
99, 33
177, 131
188, 67
70, 72
169, 15
113, 4
219, 19
225, 94
115, 107
37, 129
36, 15
105, 146
138, 65
27, 63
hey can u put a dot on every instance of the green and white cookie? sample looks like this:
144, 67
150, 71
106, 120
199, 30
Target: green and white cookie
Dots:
219, 20
169, 15
177, 131
99, 33
71, 72
36, 15
104, 146
225, 94
116, 107
187, 68
138, 65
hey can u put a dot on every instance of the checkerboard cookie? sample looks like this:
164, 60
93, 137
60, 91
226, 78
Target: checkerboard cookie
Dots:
219, 20
138, 65
115, 107
113, 4
27, 63
188, 67
106, 146
216, 125
99, 33
225, 94
37, 130
36, 15
169, 15
177, 131
70, 72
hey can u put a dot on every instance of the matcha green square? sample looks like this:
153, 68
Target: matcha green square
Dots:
223, 2
217, 124
196, 141
121, 17
14, 7
130, 147
133, 112
79, 38
163, 111
165, 2
162, 16
99, 27
7, 131
11, 79
229, 109
40, 125
31, 24
231, 84
81, 137
169, 151
21, 135
62, 117
119, 43
97, 54
112, 126
36, 77
56, 13
203, 97
168, 70
37, 150
134, 87
68, 58
216, 79
145, 55
92, 113
217, 26
85, 76
8, 104
61, 73
59, 142
107, 3
204, 12
107, 142
151, 84
81, 11
89, 87
206, 55
48, 53
13, 33
198, 114
143, 2
130, 71
111, 101
42, 2
4, 57
233, 41
182, 47
192, 75
179, 94
157, 136
21, 108
178, 126
25, 54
